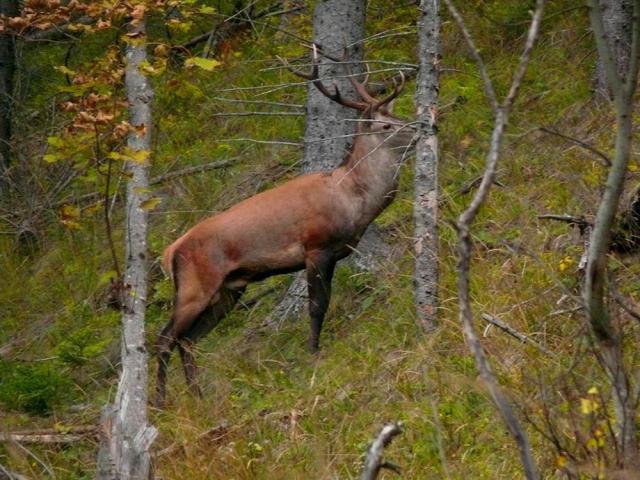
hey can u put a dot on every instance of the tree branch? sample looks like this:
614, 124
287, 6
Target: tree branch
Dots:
514, 333
484, 73
606, 161
374, 462
501, 401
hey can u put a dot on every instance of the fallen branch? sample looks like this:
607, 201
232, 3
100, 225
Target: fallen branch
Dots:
374, 462
70, 435
514, 333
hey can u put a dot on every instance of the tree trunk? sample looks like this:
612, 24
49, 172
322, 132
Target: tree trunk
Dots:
607, 334
425, 184
616, 17
126, 434
7, 70
336, 24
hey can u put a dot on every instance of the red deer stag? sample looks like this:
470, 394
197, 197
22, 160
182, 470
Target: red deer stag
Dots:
309, 222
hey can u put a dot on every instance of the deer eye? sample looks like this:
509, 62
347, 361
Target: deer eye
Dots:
387, 126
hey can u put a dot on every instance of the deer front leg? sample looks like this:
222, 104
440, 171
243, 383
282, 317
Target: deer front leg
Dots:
320, 267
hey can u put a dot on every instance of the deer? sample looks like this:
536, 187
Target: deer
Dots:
309, 222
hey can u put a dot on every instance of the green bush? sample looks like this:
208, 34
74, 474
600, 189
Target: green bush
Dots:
34, 388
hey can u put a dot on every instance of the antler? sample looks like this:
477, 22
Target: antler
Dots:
397, 88
314, 77
369, 103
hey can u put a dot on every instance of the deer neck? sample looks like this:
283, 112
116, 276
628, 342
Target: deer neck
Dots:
370, 173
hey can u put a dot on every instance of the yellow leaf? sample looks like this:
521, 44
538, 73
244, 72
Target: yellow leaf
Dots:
139, 156
151, 203
588, 406
593, 391
207, 64
561, 461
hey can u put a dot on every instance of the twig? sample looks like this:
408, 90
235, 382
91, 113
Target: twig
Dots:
6, 474
257, 102
514, 333
251, 114
89, 197
570, 219
192, 171
606, 161
71, 435
374, 462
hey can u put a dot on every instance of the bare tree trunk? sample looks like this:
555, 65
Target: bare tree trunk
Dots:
606, 334
336, 24
7, 70
616, 17
126, 434
425, 183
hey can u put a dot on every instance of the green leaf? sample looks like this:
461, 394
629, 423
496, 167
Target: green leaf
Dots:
51, 158
55, 142
151, 203
206, 9
64, 70
139, 156
207, 64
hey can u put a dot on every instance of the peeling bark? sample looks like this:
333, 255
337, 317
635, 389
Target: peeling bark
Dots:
425, 184
126, 435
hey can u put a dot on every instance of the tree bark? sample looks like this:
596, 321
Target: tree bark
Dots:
616, 18
10, 8
425, 184
126, 434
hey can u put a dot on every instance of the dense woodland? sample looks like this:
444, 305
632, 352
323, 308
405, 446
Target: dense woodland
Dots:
487, 322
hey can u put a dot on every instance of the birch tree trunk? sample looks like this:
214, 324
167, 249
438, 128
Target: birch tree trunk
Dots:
425, 184
336, 24
126, 434
616, 18
7, 70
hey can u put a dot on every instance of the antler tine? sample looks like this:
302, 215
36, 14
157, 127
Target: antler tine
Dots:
397, 88
314, 77
295, 71
360, 87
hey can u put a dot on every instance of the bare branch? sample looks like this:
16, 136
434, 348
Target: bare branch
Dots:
69, 435
514, 333
606, 161
374, 462
484, 73
502, 402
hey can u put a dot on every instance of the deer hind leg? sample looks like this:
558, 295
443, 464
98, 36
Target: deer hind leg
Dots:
320, 267
222, 304
192, 297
